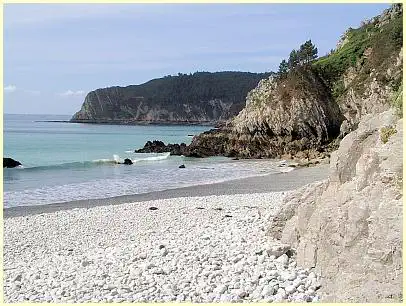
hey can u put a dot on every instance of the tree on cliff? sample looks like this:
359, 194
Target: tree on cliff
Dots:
283, 68
307, 52
293, 59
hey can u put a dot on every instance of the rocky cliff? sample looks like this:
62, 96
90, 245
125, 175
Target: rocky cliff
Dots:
199, 98
307, 112
281, 116
349, 227
365, 70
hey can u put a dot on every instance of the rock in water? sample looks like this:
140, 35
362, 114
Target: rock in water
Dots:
158, 146
128, 161
182, 166
10, 163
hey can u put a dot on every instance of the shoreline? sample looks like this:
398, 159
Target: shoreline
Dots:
256, 184
134, 123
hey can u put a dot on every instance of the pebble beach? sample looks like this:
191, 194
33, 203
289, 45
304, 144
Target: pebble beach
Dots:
194, 249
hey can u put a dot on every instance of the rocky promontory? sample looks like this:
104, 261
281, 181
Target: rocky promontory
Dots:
199, 98
282, 117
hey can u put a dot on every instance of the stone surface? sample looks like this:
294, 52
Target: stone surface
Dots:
125, 253
349, 227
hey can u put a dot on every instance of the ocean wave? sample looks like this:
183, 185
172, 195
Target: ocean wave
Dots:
93, 163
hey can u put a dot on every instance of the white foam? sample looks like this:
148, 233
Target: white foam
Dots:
102, 160
153, 158
116, 158
286, 169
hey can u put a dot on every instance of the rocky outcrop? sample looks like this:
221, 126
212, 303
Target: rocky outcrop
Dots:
289, 116
184, 99
10, 163
158, 146
349, 227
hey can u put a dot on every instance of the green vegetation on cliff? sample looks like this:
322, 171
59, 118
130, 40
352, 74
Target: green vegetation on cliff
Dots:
371, 46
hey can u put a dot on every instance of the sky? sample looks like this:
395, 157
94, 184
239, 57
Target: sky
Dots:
54, 54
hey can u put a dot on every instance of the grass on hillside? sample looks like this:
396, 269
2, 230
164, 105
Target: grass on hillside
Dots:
379, 43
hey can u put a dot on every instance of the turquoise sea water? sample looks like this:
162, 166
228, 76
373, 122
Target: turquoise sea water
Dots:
71, 161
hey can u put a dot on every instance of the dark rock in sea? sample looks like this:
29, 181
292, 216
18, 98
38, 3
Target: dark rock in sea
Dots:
182, 166
153, 208
158, 146
128, 161
10, 163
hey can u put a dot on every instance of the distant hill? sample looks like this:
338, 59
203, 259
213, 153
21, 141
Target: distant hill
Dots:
202, 97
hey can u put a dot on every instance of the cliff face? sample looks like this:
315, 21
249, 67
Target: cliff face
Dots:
198, 98
281, 116
298, 106
307, 112
349, 227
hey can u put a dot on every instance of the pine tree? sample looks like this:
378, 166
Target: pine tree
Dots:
293, 59
283, 68
308, 52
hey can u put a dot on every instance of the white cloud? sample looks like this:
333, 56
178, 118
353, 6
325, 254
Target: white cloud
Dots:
71, 93
10, 88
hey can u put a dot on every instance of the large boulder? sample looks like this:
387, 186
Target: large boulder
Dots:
349, 227
10, 163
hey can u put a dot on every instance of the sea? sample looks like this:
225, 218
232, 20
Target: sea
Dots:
64, 161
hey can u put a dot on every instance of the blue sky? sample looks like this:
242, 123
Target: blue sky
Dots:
55, 53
